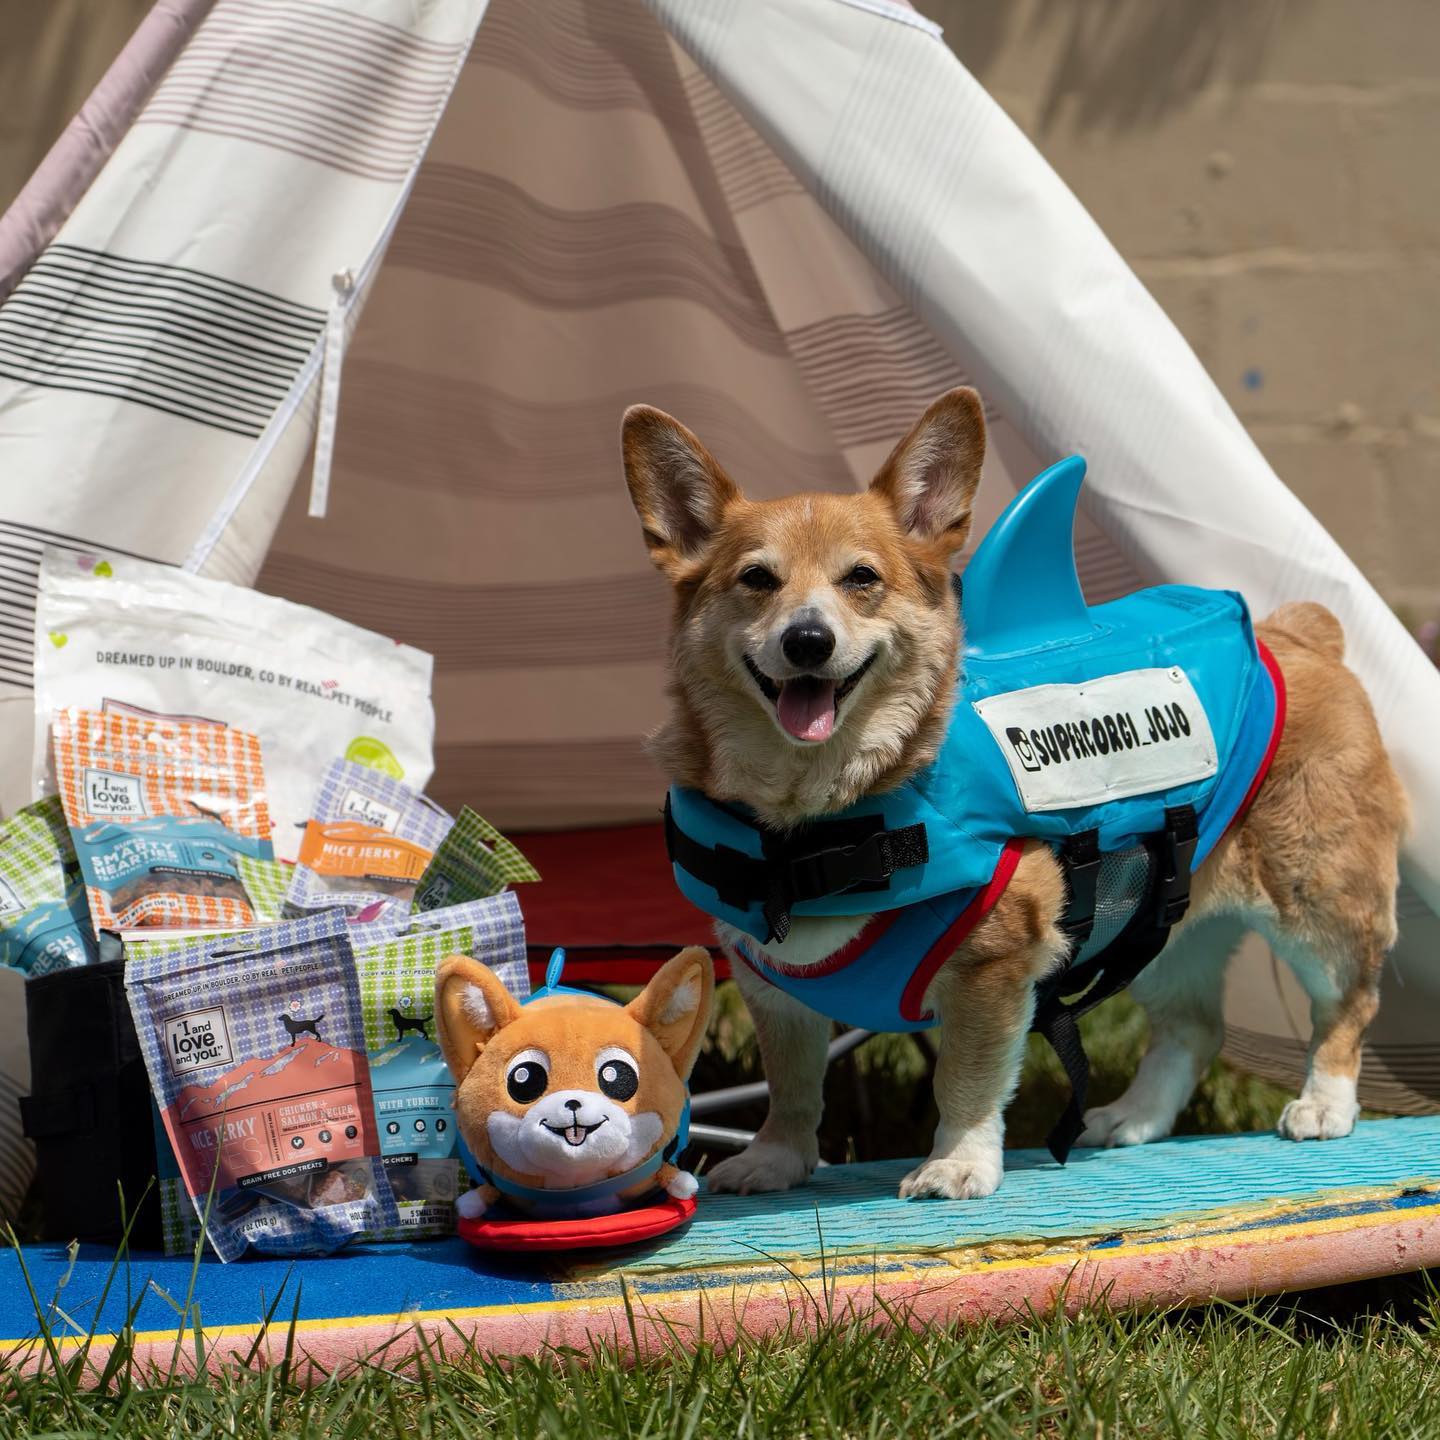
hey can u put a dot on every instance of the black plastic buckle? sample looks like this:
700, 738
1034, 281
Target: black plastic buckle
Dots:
1080, 855
1176, 854
830, 871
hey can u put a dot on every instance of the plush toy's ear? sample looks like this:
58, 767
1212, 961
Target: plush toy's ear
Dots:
932, 474
676, 485
470, 1006
675, 1006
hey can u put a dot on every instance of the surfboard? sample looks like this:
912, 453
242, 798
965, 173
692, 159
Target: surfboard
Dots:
1178, 1222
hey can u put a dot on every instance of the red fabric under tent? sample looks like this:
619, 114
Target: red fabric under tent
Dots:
607, 896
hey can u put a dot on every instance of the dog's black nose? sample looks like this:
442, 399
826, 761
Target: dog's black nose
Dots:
573, 1105
807, 643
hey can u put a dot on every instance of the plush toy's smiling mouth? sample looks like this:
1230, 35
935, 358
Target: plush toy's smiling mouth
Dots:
576, 1134
806, 705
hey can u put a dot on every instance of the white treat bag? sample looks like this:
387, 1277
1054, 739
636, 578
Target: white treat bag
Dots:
112, 631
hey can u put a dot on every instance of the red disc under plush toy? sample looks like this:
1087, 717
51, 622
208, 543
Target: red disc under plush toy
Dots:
624, 1227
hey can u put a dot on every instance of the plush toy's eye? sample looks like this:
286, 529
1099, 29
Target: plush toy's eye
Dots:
527, 1079
617, 1075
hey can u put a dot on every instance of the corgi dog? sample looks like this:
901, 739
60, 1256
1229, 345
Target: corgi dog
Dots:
570, 1090
816, 647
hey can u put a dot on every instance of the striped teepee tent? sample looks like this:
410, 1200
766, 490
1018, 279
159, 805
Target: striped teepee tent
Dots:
790, 222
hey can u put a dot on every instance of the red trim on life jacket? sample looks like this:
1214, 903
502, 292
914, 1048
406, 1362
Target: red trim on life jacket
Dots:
943, 948
870, 932
1277, 678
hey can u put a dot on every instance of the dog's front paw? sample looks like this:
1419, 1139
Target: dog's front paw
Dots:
762, 1166
1123, 1123
1318, 1118
681, 1185
472, 1204
954, 1177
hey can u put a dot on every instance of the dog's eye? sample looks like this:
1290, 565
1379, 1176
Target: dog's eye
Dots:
527, 1081
861, 577
618, 1079
757, 577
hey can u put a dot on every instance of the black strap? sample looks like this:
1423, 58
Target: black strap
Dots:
867, 865
1177, 855
738, 879
830, 857
1062, 1031
1080, 856
1062, 998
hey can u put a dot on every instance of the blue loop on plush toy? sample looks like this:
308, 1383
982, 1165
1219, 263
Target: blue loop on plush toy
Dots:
542, 1199
555, 968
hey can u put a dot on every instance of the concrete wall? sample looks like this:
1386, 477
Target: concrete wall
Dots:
1272, 172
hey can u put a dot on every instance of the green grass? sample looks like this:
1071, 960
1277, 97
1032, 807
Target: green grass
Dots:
1361, 1360
1272, 1369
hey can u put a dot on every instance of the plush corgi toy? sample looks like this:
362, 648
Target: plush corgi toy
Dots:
572, 1104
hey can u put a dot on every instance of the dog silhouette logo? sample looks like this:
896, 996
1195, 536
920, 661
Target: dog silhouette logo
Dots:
402, 1023
297, 1027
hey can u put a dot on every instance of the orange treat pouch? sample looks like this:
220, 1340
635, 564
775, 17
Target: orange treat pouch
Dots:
161, 809
367, 845
346, 851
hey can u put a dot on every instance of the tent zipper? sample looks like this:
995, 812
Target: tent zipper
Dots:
332, 358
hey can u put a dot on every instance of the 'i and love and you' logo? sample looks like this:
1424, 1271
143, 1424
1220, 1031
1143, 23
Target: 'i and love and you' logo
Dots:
113, 795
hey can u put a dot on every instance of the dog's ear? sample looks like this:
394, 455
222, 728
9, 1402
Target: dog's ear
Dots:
675, 1006
471, 1005
676, 485
932, 474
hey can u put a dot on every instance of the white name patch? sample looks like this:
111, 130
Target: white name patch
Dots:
1127, 734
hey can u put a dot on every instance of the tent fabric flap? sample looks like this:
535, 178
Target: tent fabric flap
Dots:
180, 308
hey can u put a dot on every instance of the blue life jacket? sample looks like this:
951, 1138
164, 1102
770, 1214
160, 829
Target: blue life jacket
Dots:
1139, 727
543, 1202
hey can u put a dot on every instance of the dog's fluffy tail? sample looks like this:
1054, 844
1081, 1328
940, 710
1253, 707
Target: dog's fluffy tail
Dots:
1311, 625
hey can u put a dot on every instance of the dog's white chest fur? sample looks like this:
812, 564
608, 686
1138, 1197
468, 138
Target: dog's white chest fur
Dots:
812, 939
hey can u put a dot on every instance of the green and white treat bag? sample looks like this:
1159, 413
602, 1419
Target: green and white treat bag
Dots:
265, 882
414, 1090
44, 915
474, 860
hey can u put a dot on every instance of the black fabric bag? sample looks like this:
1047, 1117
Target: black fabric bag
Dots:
89, 1108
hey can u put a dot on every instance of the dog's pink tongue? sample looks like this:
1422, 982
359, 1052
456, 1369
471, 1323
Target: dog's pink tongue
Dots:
807, 707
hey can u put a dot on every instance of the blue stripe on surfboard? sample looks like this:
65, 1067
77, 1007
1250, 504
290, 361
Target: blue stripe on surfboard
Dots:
850, 1215
379, 1280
